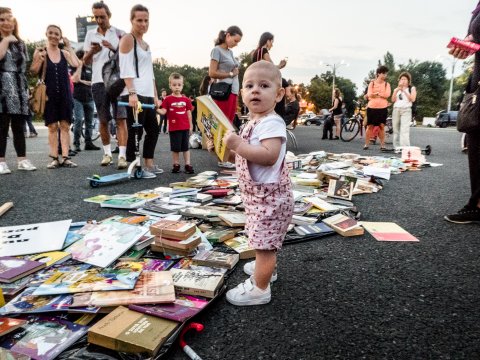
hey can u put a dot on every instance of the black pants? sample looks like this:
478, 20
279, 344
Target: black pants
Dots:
17, 122
473, 141
163, 123
328, 128
148, 119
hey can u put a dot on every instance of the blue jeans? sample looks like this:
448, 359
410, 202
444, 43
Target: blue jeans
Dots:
83, 110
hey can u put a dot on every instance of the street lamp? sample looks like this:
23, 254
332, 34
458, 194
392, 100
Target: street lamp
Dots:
454, 62
334, 68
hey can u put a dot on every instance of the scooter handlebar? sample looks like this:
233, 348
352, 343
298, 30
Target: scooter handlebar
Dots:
144, 106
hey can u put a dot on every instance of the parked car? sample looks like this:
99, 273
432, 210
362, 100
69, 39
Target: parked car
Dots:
446, 118
304, 117
318, 119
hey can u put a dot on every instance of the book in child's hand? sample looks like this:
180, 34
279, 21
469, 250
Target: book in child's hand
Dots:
469, 46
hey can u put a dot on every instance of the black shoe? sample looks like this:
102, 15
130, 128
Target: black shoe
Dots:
465, 216
71, 153
189, 169
116, 151
324, 138
77, 148
91, 146
176, 168
336, 138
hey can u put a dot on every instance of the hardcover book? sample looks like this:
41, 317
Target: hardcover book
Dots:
197, 282
180, 230
153, 287
12, 269
240, 245
183, 308
233, 219
188, 244
315, 229
216, 259
104, 243
43, 338
125, 330
344, 225
8, 325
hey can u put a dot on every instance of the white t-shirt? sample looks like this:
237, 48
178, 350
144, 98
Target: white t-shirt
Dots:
272, 126
403, 103
113, 36
144, 83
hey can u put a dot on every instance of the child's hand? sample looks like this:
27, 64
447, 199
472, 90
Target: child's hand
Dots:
232, 140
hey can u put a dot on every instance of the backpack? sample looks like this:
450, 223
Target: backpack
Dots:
414, 104
114, 84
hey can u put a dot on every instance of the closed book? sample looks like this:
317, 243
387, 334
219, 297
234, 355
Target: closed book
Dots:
11, 355
197, 282
129, 331
143, 242
132, 255
169, 250
216, 259
51, 257
180, 230
240, 245
315, 229
188, 244
217, 235
219, 192
8, 325
183, 308
344, 225
12, 268
233, 219
127, 203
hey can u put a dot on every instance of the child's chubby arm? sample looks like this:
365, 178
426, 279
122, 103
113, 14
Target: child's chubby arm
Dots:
265, 154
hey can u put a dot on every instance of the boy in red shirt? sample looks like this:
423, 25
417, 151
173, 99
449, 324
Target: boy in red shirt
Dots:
178, 109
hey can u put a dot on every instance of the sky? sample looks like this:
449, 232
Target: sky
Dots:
310, 33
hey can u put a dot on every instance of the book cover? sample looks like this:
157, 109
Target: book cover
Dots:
10, 290
233, 219
314, 229
51, 257
170, 251
387, 231
43, 338
41, 276
341, 189
89, 280
132, 255
144, 241
218, 193
187, 244
153, 287
180, 230
219, 235
183, 308
216, 259
127, 203
33, 238
106, 242
12, 355
125, 330
232, 200
98, 199
8, 325
240, 245
12, 269
320, 204
25, 303
157, 264
197, 282
344, 225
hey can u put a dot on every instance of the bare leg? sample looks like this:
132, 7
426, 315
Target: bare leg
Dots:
265, 262
186, 157
122, 132
368, 134
381, 135
104, 132
176, 157
337, 126
53, 139
65, 137
148, 162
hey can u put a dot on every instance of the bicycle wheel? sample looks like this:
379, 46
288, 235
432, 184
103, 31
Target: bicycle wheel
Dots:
349, 130
95, 129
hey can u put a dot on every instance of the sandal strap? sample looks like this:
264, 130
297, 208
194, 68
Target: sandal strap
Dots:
53, 157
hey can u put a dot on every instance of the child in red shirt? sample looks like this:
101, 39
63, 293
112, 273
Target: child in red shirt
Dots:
178, 110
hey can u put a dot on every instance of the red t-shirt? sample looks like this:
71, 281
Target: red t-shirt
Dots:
177, 115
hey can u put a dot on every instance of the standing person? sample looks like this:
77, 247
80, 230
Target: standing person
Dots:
224, 68
471, 212
377, 112
403, 97
163, 118
59, 106
140, 87
83, 105
205, 85
101, 43
14, 107
337, 112
178, 110
293, 107
265, 44
265, 186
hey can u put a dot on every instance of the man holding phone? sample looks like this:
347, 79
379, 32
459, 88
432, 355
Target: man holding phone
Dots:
99, 44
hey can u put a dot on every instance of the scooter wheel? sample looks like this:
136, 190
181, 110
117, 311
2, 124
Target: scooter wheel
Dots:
94, 184
138, 173
428, 150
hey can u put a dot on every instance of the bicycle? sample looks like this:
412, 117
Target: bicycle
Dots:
354, 125
95, 131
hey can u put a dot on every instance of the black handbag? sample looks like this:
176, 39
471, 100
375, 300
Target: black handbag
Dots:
220, 90
468, 120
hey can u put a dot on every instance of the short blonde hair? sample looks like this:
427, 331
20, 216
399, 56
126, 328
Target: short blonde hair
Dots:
175, 76
270, 68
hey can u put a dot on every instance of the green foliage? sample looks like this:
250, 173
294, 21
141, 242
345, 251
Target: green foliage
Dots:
192, 76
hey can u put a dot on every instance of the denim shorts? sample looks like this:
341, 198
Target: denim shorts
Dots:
106, 108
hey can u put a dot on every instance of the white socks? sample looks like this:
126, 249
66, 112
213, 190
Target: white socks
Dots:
122, 151
107, 149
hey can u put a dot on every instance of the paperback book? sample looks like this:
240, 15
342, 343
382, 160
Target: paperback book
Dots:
216, 259
311, 230
344, 225
197, 282
387, 231
9, 324
180, 230
26, 303
52, 257
12, 269
233, 219
240, 245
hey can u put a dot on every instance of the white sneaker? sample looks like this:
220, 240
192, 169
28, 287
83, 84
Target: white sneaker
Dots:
148, 175
249, 269
4, 168
226, 164
247, 293
155, 169
26, 165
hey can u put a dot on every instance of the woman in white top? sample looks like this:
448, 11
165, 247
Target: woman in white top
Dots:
136, 68
403, 97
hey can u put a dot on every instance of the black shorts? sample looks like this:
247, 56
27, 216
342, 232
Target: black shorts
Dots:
376, 117
179, 140
103, 104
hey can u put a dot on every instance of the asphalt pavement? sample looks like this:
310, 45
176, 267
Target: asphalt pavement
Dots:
346, 298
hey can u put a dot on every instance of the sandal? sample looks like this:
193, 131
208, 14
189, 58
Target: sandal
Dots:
55, 164
68, 163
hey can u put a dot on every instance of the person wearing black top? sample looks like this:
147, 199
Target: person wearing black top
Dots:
337, 113
471, 212
292, 108
83, 106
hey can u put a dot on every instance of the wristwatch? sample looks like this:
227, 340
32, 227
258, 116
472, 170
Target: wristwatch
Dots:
231, 74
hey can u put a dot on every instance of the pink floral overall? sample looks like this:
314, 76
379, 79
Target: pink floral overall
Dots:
268, 206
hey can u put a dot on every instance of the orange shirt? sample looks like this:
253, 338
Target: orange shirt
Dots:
384, 91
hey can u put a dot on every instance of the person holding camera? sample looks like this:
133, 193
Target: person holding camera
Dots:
58, 55
14, 107
403, 97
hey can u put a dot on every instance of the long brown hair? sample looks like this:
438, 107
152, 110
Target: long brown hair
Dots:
6, 10
222, 35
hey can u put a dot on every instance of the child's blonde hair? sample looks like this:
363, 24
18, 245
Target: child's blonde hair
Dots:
175, 76
269, 67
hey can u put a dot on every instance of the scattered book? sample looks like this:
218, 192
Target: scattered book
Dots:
218, 235
129, 331
43, 338
187, 244
183, 308
303, 220
387, 231
197, 282
228, 200
344, 225
52, 257
12, 355
320, 204
11, 290
180, 230
157, 264
341, 189
132, 255
240, 245
216, 193
12, 269
216, 259
144, 241
8, 325
25, 303
233, 219
315, 229
123, 203
168, 251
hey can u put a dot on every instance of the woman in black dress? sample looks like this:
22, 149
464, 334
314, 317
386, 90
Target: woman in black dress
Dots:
59, 106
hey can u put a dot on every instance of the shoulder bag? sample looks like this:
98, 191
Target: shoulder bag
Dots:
468, 119
38, 97
221, 90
